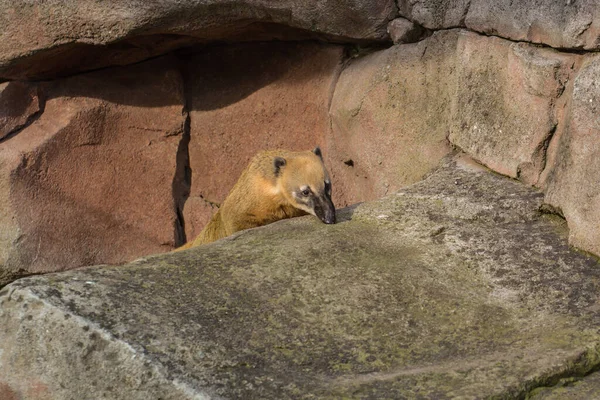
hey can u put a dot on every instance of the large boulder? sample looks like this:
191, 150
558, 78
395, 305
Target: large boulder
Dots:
91, 179
390, 114
572, 185
561, 24
41, 39
250, 97
456, 287
507, 103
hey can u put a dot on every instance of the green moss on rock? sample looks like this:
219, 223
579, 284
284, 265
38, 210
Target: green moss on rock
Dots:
455, 287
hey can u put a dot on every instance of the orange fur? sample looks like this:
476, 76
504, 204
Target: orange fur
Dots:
262, 196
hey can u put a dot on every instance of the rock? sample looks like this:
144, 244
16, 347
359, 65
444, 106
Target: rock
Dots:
251, 97
572, 185
41, 39
390, 112
19, 103
573, 388
435, 14
455, 287
7, 393
402, 30
504, 110
91, 180
561, 24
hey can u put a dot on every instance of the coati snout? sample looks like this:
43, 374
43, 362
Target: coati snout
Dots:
277, 184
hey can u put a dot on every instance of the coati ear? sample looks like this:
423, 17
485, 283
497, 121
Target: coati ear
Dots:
317, 151
278, 162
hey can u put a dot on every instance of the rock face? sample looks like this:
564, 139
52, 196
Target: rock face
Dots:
394, 111
523, 111
248, 98
572, 184
41, 39
402, 30
562, 24
19, 103
456, 287
459, 286
92, 178
384, 117
586, 388
505, 105
390, 113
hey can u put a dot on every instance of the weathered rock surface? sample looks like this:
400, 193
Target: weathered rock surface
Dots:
505, 106
571, 389
251, 97
572, 185
456, 287
402, 30
394, 111
562, 24
91, 179
19, 103
390, 113
41, 39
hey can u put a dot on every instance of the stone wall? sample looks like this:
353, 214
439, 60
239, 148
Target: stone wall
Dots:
104, 166
90, 179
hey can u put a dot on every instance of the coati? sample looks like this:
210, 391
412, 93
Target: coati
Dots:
277, 184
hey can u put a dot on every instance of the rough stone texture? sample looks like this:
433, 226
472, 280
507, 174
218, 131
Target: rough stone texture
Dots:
251, 97
19, 103
456, 287
402, 30
390, 113
571, 389
504, 109
91, 180
561, 24
572, 185
40, 39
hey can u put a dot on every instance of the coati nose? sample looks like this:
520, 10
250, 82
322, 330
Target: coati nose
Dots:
325, 210
329, 215
329, 218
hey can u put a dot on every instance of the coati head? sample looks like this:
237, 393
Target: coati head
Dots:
305, 183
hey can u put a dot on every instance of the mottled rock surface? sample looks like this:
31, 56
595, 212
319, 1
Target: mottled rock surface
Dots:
571, 389
91, 179
505, 105
42, 39
247, 98
390, 115
19, 104
562, 24
455, 287
572, 185
402, 30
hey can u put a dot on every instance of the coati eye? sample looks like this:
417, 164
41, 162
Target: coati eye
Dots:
305, 192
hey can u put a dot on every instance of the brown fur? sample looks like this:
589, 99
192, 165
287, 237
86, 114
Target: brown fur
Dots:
264, 194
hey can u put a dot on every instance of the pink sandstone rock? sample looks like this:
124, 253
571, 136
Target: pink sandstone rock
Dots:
91, 180
390, 115
572, 185
251, 97
45, 39
19, 101
561, 24
504, 108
